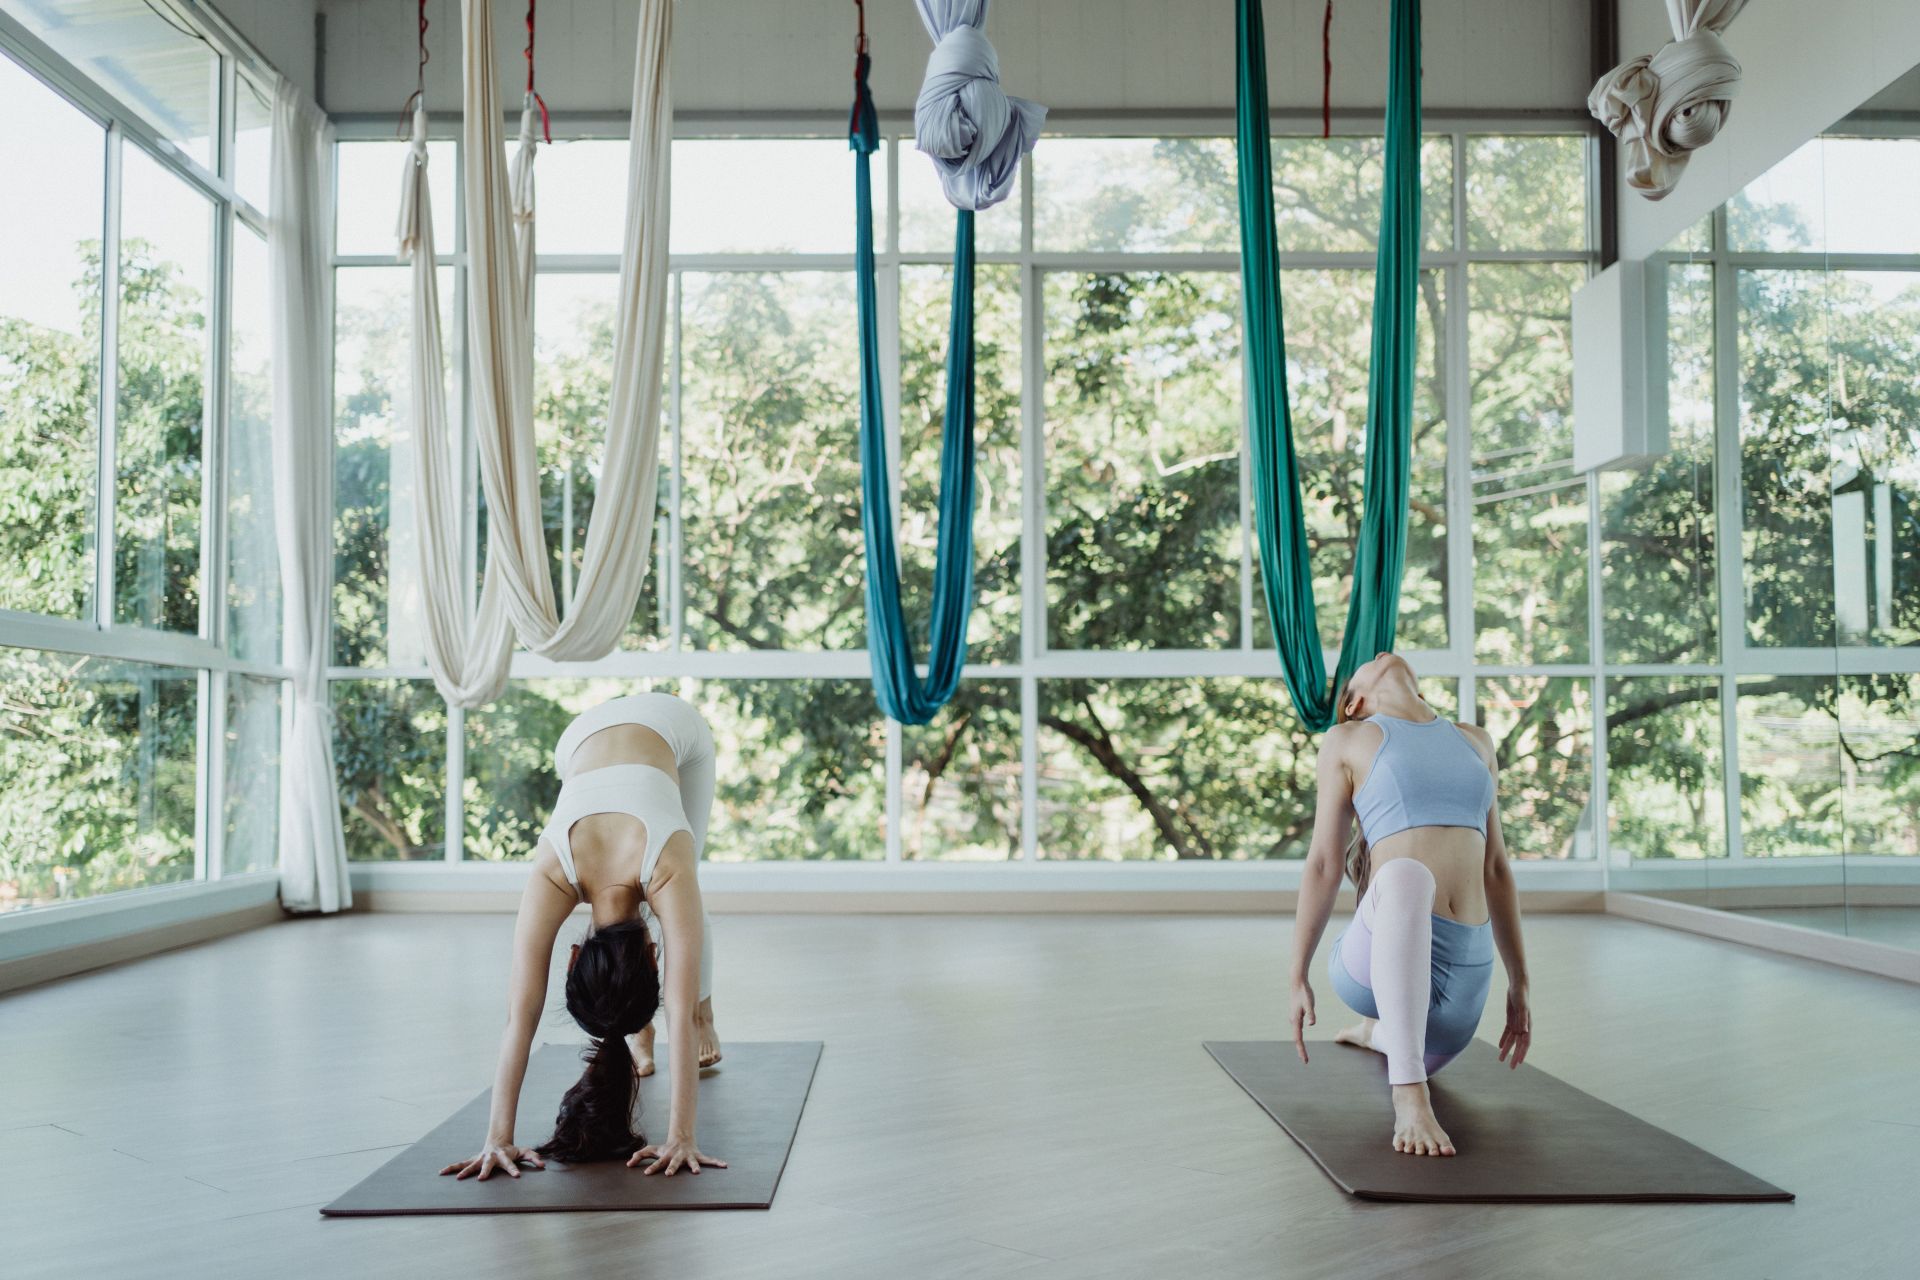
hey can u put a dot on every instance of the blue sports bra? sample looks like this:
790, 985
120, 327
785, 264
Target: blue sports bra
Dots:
1425, 774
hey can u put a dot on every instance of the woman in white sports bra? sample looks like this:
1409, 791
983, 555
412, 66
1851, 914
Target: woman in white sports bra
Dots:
636, 785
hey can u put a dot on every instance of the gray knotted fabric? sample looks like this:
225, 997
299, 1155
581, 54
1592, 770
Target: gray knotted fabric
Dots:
1665, 105
975, 133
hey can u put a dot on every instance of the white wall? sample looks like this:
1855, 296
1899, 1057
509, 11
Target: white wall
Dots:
1069, 54
281, 29
1805, 67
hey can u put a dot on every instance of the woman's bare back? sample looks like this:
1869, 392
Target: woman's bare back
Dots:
624, 744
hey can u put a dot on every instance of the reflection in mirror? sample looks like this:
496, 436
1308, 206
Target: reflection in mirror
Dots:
1772, 766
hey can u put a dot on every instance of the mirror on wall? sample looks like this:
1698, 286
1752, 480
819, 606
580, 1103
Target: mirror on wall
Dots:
1762, 577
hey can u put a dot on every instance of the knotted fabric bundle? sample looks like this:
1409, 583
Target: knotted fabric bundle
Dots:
1666, 105
975, 133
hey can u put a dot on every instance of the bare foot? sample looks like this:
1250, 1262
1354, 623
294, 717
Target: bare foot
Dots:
1359, 1036
709, 1038
1415, 1130
641, 1045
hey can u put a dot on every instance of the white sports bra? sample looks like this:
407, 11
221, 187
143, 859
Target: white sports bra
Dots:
637, 790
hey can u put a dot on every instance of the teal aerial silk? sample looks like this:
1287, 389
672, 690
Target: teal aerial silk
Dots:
901, 693
1286, 571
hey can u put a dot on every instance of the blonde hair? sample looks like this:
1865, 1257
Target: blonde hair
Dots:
1358, 861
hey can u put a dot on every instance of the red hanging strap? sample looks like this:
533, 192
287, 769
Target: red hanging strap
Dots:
419, 75
1326, 73
546, 125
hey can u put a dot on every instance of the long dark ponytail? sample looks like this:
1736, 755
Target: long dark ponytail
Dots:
613, 989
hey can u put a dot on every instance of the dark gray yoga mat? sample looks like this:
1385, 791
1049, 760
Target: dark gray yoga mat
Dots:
1523, 1136
749, 1110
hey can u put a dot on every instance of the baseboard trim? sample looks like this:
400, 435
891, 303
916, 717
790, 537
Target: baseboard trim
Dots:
952, 901
65, 962
1769, 935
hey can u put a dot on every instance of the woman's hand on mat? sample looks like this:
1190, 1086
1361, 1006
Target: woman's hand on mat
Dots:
501, 1156
1303, 1017
672, 1155
1518, 1037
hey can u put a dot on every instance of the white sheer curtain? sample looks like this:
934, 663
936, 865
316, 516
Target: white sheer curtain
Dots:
499, 219
313, 854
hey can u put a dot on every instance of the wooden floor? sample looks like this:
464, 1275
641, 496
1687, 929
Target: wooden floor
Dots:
998, 1097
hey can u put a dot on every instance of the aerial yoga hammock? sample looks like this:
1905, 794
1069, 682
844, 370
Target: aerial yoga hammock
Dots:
470, 653
1286, 569
976, 135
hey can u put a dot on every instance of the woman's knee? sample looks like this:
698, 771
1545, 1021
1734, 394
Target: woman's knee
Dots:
1404, 883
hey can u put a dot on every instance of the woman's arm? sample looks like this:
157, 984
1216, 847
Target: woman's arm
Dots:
1503, 905
544, 907
1320, 878
675, 895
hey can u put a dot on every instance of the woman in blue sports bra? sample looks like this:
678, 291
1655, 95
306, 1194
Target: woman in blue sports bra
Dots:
636, 785
1406, 809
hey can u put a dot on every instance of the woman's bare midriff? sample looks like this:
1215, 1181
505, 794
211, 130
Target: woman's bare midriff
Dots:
1457, 856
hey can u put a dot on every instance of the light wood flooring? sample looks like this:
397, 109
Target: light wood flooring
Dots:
1018, 1096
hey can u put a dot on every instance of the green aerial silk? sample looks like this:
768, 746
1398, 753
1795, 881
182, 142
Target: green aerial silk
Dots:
1286, 571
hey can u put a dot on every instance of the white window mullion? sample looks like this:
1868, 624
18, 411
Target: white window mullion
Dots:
467, 503
106, 489
1247, 532
206, 721
216, 419
1029, 768
1033, 524
455, 800
888, 318
673, 595
1596, 687
896, 802
1727, 520
216, 841
1457, 357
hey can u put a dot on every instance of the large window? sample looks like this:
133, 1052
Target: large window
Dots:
140, 610
1122, 700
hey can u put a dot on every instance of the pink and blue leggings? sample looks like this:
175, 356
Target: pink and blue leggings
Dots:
1423, 977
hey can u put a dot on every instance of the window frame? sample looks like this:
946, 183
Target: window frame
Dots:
1035, 661
97, 634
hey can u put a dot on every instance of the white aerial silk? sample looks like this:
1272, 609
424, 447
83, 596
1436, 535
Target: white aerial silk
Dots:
975, 133
313, 851
467, 655
469, 658
1664, 106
